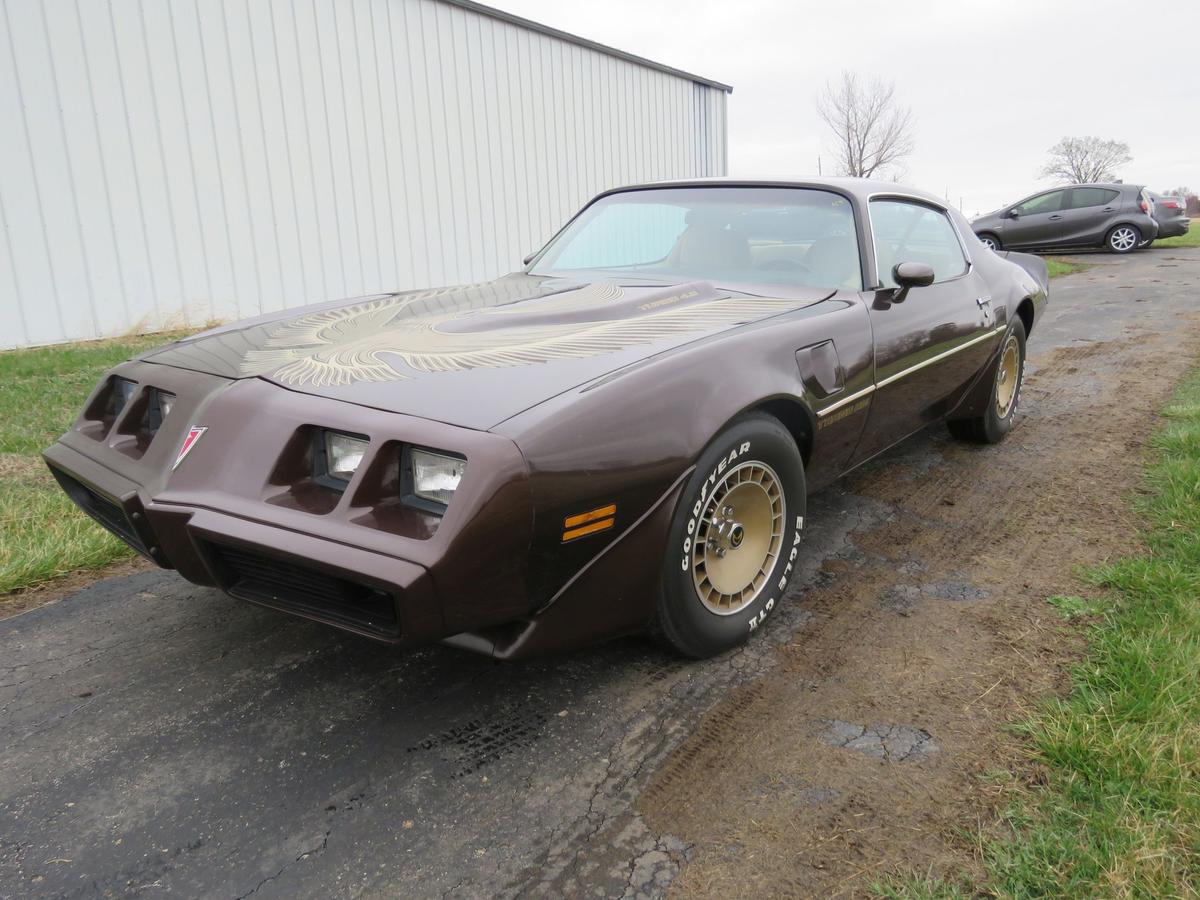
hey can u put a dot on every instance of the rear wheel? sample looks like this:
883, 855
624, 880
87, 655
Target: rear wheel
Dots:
997, 419
990, 241
1146, 244
734, 540
1123, 239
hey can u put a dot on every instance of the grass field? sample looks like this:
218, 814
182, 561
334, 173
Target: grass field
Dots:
1058, 267
42, 534
1118, 813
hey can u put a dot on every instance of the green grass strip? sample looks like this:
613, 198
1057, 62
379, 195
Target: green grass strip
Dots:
42, 534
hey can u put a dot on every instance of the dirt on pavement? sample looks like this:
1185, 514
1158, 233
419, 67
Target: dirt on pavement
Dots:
873, 748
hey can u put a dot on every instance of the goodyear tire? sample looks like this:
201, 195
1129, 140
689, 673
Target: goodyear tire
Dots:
1007, 379
734, 540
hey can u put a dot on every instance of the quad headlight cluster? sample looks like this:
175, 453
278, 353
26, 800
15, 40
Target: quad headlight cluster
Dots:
159, 404
428, 478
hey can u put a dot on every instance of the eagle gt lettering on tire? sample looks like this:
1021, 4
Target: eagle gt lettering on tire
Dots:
735, 538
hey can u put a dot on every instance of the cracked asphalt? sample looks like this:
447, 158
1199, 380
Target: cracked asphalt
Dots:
161, 739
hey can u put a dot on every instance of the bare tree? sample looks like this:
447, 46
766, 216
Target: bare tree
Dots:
872, 132
1083, 160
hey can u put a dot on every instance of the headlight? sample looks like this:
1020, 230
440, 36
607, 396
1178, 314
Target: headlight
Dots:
435, 476
122, 393
161, 404
343, 453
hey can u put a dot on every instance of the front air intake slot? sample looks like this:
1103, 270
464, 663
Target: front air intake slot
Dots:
105, 511
250, 575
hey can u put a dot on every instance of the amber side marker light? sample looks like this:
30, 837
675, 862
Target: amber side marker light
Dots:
589, 522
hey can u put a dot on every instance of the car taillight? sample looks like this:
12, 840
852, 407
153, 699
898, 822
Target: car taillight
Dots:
1145, 206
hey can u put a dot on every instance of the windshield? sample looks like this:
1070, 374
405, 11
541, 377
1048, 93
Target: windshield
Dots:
730, 236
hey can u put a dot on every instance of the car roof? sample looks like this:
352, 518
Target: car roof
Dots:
860, 188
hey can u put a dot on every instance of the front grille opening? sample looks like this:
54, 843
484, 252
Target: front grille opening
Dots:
250, 575
101, 508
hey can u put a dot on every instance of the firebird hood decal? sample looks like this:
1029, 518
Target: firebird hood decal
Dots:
549, 333
363, 342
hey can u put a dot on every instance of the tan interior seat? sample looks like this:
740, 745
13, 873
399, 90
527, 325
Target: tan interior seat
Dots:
833, 261
705, 247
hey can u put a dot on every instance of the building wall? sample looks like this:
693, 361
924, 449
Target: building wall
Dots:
168, 162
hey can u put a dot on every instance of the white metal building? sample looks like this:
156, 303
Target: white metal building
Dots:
168, 162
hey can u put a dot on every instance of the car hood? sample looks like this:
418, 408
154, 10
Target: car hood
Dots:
473, 355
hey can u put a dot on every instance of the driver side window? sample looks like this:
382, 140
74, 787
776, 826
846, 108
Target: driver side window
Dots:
1044, 203
911, 232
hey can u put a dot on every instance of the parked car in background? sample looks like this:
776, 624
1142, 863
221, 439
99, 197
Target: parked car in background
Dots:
1171, 215
1117, 217
621, 435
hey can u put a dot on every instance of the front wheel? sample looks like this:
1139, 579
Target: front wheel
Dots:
1123, 239
990, 241
735, 538
997, 419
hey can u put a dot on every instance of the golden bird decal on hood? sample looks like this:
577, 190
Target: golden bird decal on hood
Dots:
385, 339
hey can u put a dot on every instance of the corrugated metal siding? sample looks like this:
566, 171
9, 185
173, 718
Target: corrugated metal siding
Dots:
167, 162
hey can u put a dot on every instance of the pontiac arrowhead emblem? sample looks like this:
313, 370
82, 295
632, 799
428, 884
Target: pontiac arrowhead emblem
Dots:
193, 437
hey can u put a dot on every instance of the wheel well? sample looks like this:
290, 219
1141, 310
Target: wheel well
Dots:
1025, 311
795, 419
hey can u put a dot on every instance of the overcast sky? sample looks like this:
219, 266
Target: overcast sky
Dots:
992, 85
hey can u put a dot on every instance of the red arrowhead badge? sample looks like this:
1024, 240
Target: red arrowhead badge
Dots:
193, 437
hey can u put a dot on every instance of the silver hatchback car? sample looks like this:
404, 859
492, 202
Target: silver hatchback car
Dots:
1117, 217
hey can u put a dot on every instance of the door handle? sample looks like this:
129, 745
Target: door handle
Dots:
985, 307
1107, 209
1055, 216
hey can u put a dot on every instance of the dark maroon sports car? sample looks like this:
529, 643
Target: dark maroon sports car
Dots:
621, 436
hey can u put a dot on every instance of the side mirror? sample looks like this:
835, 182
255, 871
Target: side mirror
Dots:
912, 274
909, 275
1011, 214
528, 259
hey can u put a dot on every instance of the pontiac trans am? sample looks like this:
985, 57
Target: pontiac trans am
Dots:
619, 437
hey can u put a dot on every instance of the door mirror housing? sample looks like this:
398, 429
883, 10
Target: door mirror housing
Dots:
912, 274
1011, 214
909, 275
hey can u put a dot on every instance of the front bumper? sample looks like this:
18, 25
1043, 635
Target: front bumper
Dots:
240, 512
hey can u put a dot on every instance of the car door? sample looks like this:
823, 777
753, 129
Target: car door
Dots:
1088, 212
1036, 222
929, 341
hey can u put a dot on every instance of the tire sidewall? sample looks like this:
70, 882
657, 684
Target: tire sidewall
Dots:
996, 246
688, 623
996, 426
